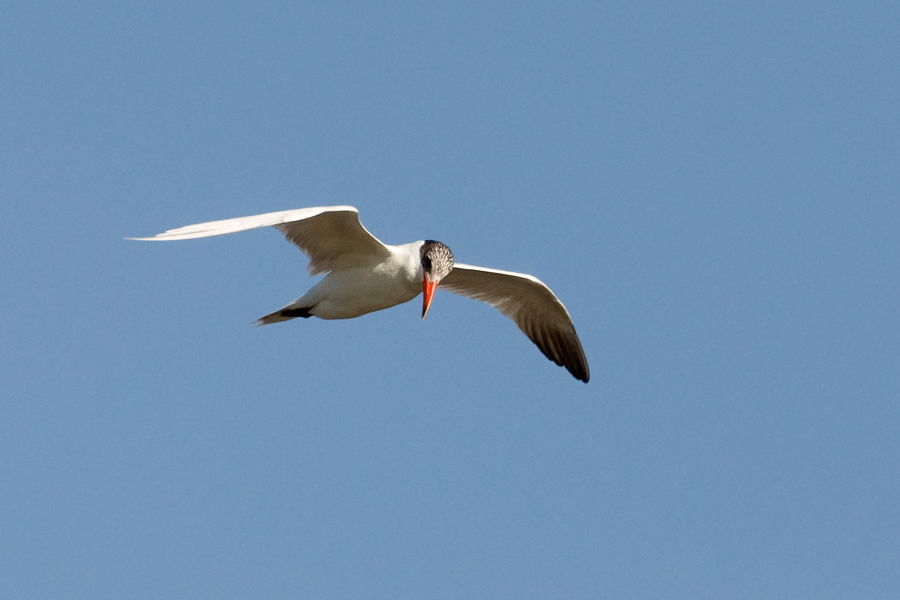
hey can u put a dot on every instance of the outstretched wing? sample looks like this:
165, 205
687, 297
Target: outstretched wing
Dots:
533, 307
331, 236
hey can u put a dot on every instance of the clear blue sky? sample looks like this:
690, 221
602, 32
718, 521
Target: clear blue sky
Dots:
710, 188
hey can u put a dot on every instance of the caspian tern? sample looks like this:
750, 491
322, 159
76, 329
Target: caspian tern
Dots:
365, 275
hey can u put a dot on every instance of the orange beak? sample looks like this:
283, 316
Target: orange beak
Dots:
428, 288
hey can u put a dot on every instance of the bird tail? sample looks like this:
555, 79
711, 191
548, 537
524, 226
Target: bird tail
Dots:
285, 314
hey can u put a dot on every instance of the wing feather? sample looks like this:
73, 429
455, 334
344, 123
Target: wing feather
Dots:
531, 305
331, 236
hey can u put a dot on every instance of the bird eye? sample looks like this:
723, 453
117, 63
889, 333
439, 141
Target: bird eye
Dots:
426, 263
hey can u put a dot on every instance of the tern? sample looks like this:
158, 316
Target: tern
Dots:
365, 275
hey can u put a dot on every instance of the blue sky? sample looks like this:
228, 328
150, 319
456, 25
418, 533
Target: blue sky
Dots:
710, 188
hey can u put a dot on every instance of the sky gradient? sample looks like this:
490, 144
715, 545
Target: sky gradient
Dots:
710, 189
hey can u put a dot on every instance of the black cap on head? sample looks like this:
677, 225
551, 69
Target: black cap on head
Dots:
437, 260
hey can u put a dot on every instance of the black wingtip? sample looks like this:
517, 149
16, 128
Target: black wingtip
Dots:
579, 375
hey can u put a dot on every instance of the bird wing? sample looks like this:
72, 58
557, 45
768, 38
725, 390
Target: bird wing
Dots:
331, 236
534, 308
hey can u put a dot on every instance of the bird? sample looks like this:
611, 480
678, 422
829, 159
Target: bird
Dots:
364, 275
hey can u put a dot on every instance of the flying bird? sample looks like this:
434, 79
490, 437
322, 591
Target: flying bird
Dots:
365, 275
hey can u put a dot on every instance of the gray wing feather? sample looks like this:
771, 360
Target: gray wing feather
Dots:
531, 305
331, 236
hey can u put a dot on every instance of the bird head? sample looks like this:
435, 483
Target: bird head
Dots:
437, 262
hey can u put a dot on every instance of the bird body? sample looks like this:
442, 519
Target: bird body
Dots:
355, 291
365, 275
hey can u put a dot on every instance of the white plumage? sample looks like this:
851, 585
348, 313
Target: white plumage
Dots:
365, 275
